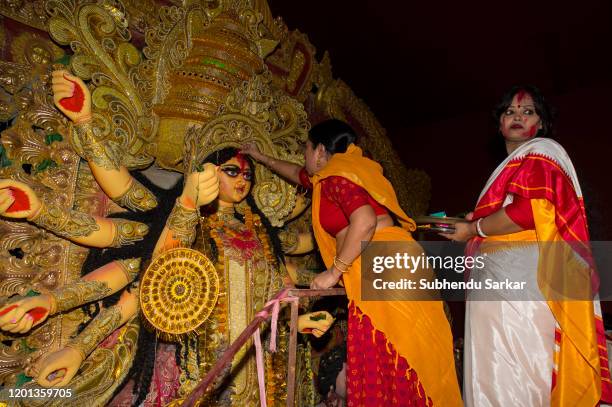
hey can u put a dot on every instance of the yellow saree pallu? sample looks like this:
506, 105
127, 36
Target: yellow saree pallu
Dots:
418, 330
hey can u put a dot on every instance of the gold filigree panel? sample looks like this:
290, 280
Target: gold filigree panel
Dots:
293, 65
33, 49
100, 39
256, 113
28, 12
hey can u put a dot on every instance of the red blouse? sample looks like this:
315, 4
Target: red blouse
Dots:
520, 212
339, 199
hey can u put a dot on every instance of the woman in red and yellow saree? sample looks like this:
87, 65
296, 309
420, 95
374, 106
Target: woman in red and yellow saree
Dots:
545, 345
399, 352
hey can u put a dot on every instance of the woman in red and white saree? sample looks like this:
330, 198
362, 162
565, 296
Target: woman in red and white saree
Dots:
399, 352
545, 345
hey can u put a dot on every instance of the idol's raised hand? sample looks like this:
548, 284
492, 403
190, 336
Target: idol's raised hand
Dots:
71, 96
201, 188
17, 200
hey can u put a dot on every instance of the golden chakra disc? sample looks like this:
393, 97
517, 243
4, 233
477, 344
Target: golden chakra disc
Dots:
178, 291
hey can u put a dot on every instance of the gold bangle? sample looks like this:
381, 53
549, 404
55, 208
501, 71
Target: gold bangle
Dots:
127, 232
182, 222
343, 269
137, 198
91, 149
64, 222
101, 327
130, 267
348, 265
76, 294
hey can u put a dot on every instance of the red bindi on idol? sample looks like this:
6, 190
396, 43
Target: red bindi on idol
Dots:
242, 160
75, 102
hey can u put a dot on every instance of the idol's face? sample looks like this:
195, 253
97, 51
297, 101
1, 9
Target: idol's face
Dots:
235, 178
520, 121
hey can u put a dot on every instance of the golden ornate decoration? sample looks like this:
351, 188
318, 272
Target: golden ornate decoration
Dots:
178, 292
77, 294
90, 148
31, 258
255, 113
222, 54
102, 326
31, 13
34, 50
182, 222
64, 222
100, 39
130, 267
237, 304
14, 96
137, 198
128, 232
294, 65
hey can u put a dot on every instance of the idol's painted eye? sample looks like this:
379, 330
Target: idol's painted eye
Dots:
231, 171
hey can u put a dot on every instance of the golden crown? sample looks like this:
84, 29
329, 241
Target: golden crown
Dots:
255, 112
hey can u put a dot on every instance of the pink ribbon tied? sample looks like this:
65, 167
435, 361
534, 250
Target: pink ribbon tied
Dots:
264, 313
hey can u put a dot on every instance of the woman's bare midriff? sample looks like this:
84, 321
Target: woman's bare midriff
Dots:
382, 221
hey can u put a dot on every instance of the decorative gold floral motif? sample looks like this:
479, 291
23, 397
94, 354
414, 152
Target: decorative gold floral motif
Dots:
128, 232
77, 294
34, 50
137, 198
182, 222
31, 13
101, 327
99, 37
275, 122
65, 222
91, 148
179, 291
